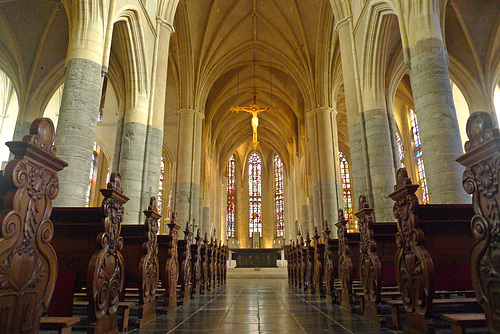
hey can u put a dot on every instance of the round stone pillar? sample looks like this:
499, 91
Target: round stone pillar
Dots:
81, 99
186, 187
437, 120
154, 136
326, 186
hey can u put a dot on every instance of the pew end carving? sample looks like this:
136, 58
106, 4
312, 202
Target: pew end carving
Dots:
172, 265
346, 269
149, 268
105, 275
28, 263
481, 179
370, 266
414, 267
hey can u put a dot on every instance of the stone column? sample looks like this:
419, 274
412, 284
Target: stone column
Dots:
154, 135
186, 187
312, 145
131, 158
435, 109
81, 99
361, 183
380, 154
326, 186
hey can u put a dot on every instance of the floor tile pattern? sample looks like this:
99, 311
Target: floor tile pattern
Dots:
259, 306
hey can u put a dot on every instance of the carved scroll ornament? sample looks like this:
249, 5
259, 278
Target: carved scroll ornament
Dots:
28, 263
106, 268
481, 179
149, 269
172, 265
414, 268
370, 267
346, 269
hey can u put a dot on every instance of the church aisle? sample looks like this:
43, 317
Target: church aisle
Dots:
259, 306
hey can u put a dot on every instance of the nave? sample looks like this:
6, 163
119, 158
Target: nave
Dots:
252, 306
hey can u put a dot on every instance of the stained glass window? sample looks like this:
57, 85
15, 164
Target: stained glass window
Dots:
401, 150
230, 198
93, 174
418, 157
279, 196
345, 174
160, 186
255, 186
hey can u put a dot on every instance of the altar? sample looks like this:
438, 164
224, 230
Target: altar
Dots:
256, 257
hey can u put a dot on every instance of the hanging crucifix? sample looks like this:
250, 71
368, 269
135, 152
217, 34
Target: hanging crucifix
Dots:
254, 109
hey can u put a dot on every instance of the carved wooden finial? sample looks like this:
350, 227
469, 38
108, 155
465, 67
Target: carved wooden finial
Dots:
153, 205
115, 182
402, 179
341, 215
363, 202
42, 135
479, 130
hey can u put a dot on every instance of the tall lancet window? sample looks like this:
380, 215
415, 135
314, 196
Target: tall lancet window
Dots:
255, 192
230, 198
93, 174
279, 196
160, 186
401, 150
345, 175
418, 156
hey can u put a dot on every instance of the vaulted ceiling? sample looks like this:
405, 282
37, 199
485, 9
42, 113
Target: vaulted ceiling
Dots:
222, 49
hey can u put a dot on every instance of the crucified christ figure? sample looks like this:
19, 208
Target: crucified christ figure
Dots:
254, 109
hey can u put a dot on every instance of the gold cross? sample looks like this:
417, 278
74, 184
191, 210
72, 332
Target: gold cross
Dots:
254, 109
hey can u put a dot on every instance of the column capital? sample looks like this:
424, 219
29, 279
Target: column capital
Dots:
333, 111
190, 111
165, 23
340, 24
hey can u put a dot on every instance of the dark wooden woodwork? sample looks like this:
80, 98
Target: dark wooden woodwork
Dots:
319, 253
149, 267
171, 265
211, 263
105, 275
28, 263
331, 249
309, 264
196, 266
346, 270
414, 267
184, 253
299, 261
481, 179
204, 264
369, 266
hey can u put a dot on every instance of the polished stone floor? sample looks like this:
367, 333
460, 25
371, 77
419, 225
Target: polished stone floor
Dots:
259, 306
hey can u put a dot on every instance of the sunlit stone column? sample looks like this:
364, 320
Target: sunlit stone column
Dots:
186, 187
81, 99
435, 109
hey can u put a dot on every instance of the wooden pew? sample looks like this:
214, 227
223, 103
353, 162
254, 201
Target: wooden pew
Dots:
369, 266
149, 266
196, 283
319, 259
442, 263
171, 270
184, 253
346, 270
330, 267
481, 179
308, 254
204, 265
89, 241
28, 262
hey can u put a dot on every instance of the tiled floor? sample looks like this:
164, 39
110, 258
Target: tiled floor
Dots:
259, 306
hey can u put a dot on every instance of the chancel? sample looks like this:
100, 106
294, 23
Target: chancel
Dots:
362, 197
